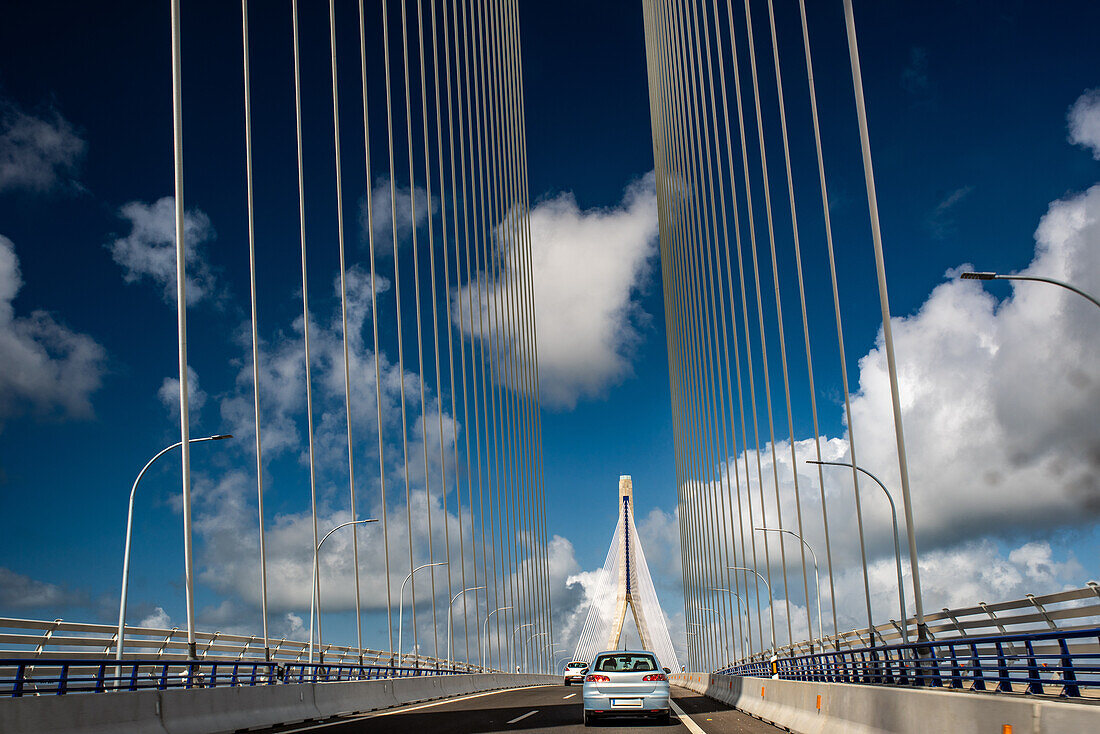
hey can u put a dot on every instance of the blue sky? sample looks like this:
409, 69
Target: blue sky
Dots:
968, 107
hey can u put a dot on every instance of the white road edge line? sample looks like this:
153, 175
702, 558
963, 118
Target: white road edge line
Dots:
569, 696
685, 719
521, 718
401, 710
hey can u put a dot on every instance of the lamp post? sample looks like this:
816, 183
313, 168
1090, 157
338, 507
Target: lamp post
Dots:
740, 603
512, 649
725, 642
527, 646
450, 629
485, 646
897, 551
1036, 278
316, 595
129, 530
817, 578
767, 585
401, 604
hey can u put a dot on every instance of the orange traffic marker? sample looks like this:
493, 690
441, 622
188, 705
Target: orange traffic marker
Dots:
1006, 729
761, 691
819, 703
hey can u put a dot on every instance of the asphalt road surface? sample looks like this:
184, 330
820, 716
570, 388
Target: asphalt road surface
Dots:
554, 709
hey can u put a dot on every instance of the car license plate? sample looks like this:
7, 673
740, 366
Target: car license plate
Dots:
627, 702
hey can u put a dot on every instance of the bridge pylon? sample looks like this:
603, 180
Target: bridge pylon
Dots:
628, 576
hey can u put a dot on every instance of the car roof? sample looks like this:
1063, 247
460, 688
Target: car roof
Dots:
626, 652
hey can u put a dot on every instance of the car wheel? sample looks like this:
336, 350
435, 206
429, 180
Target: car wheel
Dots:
566, 683
588, 719
664, 720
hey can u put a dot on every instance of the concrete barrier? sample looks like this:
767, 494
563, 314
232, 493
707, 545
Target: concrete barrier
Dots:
824, 708
217, 710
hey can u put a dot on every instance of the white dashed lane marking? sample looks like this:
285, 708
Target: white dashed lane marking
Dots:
569, 696
521, 718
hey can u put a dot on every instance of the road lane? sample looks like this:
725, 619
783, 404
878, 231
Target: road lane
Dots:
549, 709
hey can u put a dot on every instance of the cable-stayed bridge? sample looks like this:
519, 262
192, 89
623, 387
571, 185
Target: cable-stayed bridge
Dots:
431, 98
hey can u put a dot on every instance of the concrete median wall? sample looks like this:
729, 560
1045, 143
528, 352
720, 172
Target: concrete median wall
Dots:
217, 710
824, 708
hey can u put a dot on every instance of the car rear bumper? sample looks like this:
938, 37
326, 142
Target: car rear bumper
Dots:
653, 704
574, 679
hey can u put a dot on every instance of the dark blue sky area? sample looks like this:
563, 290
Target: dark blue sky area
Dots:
967, 108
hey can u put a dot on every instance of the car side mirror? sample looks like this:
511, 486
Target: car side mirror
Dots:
666, 670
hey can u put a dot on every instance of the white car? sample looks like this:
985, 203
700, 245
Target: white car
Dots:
626, 683
574, 672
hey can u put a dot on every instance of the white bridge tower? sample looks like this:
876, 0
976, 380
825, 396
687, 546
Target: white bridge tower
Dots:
624, 581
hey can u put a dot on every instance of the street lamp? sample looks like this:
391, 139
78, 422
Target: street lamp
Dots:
450, 629
485, 647
129, 529
316, 595
401, 604
766, 584
1036, 278
740, 603
527, 646
897, 546
512, 649
817, 577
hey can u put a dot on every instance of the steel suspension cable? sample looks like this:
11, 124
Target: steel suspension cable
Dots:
419, 331
397, 300
805, 322
344, 324
539, 499
305, 314
839, 326
450, 330
255, 329
779, 315
374, 324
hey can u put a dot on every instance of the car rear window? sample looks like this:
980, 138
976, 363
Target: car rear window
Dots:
577, 665
625, 662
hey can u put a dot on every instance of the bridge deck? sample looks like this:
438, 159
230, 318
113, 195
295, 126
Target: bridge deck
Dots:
556, 709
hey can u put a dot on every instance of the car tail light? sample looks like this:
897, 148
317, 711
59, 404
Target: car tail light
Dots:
655, 677
594, 678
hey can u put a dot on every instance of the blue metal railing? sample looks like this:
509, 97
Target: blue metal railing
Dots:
1022, 663
36, 677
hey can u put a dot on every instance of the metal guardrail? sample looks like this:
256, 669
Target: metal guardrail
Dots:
23, 677
1076, 609
1020, 663
42, 640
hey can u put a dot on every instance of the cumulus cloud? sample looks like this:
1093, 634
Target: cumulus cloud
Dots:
587, 266
149, 250
382, 214
19, 592
159, 619
169, 393
37, 154
1084, 121
45, 367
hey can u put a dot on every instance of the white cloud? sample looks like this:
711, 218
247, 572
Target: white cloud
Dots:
586, 268
149, 250
382, 214
169, 394
159, 619
1084, 121
38, 154
45, 367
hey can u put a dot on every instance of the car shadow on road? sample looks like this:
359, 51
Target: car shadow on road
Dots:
549, 717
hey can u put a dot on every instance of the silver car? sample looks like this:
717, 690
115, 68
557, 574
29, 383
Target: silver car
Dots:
574, 672
626, 683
